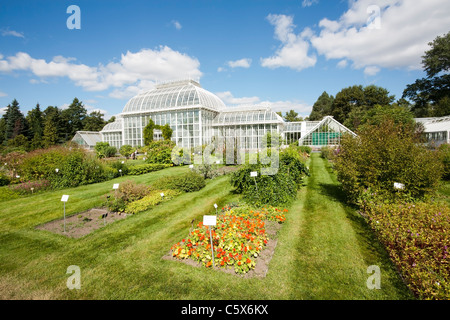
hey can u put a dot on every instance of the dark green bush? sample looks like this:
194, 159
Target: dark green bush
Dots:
116, 166
305, 149
104, 150
189, 182
146, 168
4, 180
276, 189
444, 150
383, 154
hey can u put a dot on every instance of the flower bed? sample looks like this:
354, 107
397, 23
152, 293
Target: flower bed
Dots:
238, 239
417, 236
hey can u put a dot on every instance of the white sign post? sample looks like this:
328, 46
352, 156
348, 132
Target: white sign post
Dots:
120, 170
215, 206
399, 185
115, 186
210, 221
254, 174
64, 199
162, 195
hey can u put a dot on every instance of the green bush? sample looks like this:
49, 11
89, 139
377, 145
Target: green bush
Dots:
104, 150
444, 150
276, 189
189, 182
305, 149
150, 200
326, 152
159, 151
126, 150
128, 192
146, 168
116, 166
384, 154
293, 164
417, 238
4, 180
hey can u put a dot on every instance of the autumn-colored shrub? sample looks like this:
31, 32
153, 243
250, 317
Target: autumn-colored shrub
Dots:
417, 237
154, 198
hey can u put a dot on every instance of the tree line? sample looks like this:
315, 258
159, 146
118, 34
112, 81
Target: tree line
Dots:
45, 128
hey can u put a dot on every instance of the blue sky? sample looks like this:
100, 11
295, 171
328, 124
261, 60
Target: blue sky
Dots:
281, 53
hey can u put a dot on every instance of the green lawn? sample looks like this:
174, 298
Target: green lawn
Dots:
323, 250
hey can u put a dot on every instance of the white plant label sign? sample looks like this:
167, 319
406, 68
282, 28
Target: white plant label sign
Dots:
209, 220
64, 198
115, 186
253, 174
399, 185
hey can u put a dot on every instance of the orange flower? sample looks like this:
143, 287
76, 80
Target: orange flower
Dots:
209, 264
248, 260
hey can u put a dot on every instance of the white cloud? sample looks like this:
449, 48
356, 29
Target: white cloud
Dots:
293, 52
176, 24
134, 72
3, 110
228, 98
2, 94
308, 3
7, 32
220, 69
371, 70
242, 63
284, 106
342, 64
399, 39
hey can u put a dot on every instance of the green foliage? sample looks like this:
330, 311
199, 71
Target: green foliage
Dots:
148, 132
94, 121
166, 132
115, 166
384, 154
152, 199
417, 239
4, 180
126, 150
189, 182
146, 168
431, 95
31, 187
358, 99
326, 152
322, 107
305, 149
128, 192
159, 151
104, 150
276, 184
74, 117
444, 150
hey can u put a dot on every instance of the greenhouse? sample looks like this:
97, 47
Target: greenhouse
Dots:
198, 117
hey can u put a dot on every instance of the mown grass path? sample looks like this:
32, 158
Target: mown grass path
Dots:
323, 250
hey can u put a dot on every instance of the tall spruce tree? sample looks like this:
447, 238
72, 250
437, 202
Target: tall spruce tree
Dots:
15, 121
74, 117
322, 107
35, 121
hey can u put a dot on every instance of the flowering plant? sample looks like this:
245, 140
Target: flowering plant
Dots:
238, 239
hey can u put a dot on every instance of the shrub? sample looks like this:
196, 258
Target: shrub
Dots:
31, 187
150, 200
78, 168
276, 189
104, 150
126, 150
189, 182
146, 168
128, 192
159, 151
417, 239
4, 180
444, 150
326, 152
116, 166
384, 154
305, 149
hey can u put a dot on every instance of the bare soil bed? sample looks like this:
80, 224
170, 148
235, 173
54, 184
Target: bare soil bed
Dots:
81, 224
262, 261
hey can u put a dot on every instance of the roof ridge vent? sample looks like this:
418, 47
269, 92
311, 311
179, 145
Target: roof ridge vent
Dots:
177, 83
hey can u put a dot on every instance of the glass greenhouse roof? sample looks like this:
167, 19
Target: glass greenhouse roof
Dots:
115, 126
248, 115
174, 95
